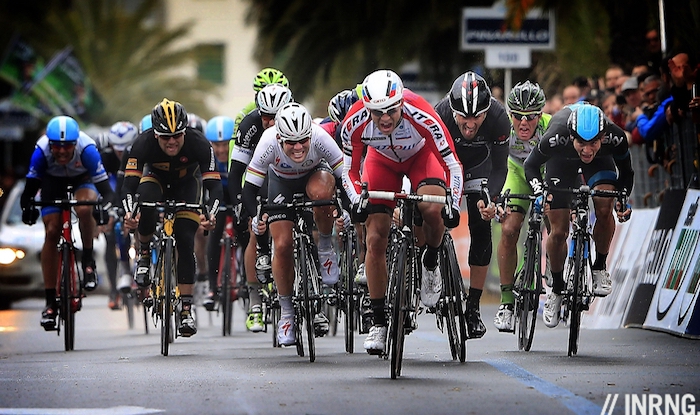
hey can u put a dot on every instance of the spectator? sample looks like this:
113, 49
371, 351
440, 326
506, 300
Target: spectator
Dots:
584, 85
633, 99
654, 53
611, 109
571, 94
553, 104
611, 77
618, 87
650, 90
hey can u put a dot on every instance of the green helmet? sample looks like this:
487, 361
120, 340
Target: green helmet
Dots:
269, 76
526, 96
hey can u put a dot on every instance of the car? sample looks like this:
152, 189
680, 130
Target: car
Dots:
20, 252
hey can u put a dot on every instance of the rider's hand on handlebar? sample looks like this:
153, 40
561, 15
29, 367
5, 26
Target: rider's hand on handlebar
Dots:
131, 223
207, 224
30, 215
623, 215
259, 226
486, 212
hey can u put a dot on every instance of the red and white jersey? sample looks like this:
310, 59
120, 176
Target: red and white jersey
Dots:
269, 153
419, 126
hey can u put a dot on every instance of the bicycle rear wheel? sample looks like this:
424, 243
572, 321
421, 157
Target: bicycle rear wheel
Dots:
453, 298
576, 298
399, 304
225, 299
68, 288
527, 297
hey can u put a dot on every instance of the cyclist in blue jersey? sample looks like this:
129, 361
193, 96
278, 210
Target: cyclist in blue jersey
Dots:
64, 156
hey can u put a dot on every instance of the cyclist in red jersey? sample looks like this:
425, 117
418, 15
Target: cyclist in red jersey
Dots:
403, 136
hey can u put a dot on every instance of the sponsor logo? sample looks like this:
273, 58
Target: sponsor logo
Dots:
162, 166
279, 199
613, 139
131, 163
649, 403
307, 163
558, 140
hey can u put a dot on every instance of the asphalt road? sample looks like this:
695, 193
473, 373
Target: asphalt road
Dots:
114, 370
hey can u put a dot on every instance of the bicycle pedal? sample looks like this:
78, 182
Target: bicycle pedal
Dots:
148, 302
51, 326
506, 331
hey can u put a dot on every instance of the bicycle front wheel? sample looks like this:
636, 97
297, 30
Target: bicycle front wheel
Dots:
307, 304
348, 291
528, 294
453, 301
576, 297
69, 283
399, 305
167, 274
225, 299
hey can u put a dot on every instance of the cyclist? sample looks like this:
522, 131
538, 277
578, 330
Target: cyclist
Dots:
179, 160
264, 77
525, 103
119, 137
302, 158
479, 126
258, 267
579, 137
403, 136
64, 156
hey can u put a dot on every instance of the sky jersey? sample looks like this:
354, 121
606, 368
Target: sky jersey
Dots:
419, 126
86, 159
269, 153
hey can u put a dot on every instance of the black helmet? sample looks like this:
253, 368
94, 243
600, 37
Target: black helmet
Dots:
470, 96
169, 117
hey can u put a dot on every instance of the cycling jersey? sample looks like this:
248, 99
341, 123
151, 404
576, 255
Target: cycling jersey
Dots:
519, 149
195, 159
557, 150
245, 111
247, 137
483, 157
418, 127
269, 154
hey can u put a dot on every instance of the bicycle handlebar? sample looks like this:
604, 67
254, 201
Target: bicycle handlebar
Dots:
384, 195
64, 203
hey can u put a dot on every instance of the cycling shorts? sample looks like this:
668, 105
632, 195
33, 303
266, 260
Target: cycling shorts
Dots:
562, 174
280, 191
54, 188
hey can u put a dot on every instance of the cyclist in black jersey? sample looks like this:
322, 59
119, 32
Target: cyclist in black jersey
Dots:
178, 160
257, 263
579, 136
479, 126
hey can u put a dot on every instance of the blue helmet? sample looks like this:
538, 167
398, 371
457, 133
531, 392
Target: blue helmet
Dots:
220, 129
586, 122
145, 123
63, 128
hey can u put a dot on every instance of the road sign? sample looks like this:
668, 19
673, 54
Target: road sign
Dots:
507, 57
483, 27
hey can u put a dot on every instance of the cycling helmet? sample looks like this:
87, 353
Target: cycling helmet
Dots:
340, 104
272, 97
145, 123
293, 122
220, 129
526, 96
196, 122
102, 140
63, 129
269, 76
382, 89
470, 96
169, 117
121, 135
586, 122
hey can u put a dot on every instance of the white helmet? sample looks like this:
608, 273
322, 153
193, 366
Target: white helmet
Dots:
272, 97
293, 122
382, 89
122, 134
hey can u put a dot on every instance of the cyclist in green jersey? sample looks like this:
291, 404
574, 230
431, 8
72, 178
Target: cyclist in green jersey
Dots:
525, 103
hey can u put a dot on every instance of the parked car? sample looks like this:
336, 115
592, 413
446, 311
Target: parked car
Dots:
20, 252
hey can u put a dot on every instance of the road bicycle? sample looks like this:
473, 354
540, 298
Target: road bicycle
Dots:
230, 269
347, 292
579, 285
307, 296
164, 293
403, 290
69, 286
527, 286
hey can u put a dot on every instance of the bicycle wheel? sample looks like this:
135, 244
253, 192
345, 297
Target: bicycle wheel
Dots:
398, 308
307, 304
68, 275
529, 288
225, 299
576, 298
347, 294
168, 269
128, 304
453, 297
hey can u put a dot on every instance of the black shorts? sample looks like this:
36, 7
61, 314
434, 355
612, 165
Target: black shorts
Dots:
282, 191
562, 174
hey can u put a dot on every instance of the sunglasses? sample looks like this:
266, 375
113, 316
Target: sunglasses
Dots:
380, 113
167, 138
302, 141
61, 144
525, 115
267, 117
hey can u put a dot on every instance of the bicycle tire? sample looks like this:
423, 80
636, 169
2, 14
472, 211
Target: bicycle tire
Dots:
306, 301
128, 304
348, 291
576, 305
225, 299
454, 301
66, 297
397, 331
167, 310
527, 298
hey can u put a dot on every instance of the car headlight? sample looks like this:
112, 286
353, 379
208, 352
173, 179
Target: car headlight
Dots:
9, 255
